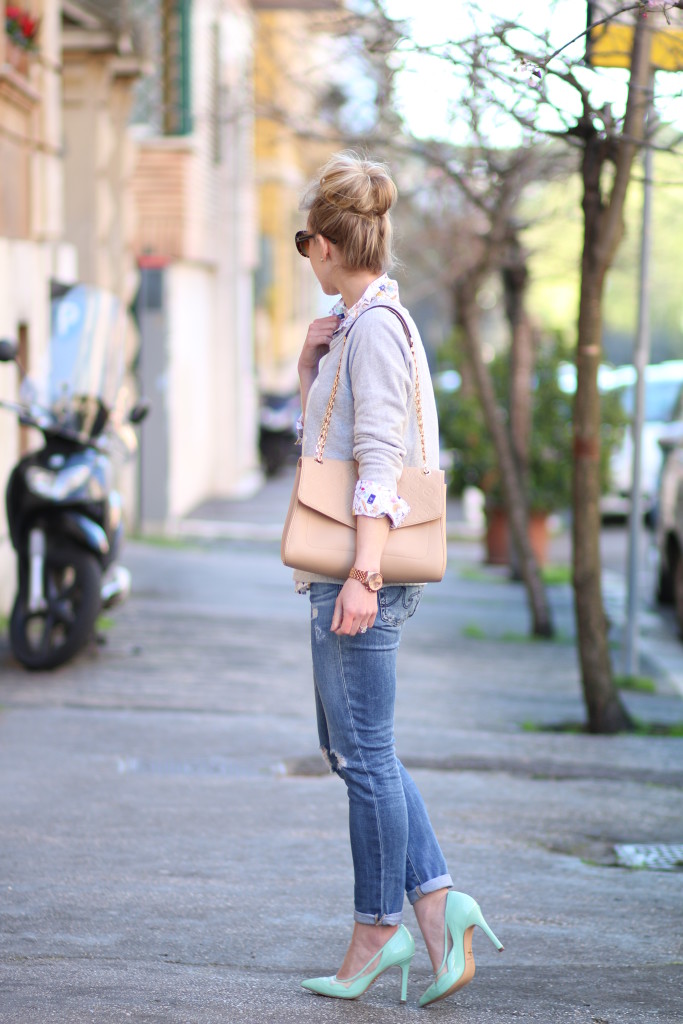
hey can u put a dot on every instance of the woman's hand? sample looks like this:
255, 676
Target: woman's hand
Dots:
316, 345
355, 609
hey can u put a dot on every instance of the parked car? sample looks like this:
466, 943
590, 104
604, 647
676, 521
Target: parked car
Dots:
663, 387
668, 520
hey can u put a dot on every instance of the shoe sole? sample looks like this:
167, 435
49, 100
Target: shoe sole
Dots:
467, 975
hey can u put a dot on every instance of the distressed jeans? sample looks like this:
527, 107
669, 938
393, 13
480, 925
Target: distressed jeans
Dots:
393, 844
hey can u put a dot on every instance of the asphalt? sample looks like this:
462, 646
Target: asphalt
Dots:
173, 851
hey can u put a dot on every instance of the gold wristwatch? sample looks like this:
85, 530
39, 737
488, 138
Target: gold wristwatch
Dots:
372, 581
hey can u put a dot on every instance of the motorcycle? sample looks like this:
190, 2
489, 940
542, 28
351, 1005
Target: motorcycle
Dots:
64, 514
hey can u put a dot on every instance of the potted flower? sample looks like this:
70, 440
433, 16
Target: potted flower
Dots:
21, 30
474, 462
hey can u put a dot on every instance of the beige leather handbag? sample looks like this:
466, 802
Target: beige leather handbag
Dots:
319, 534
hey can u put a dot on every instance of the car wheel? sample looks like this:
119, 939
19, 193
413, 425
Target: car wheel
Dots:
665, 593
678, 593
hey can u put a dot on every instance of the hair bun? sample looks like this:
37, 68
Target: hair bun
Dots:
349, 203
358, 186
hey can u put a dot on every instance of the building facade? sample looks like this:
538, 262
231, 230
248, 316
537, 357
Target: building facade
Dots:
195, 246
143, 150
33, 248
64, 188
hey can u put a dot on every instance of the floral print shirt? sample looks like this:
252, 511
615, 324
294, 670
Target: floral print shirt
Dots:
370, 499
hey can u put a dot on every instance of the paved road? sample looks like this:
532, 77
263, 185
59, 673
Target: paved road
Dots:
173, 852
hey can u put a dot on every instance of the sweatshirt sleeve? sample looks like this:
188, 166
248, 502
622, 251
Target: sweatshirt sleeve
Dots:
380, 365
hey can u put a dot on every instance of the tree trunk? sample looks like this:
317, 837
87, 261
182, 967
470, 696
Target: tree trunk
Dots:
606, 713
603, 228
515, 276
515, 279
468, 318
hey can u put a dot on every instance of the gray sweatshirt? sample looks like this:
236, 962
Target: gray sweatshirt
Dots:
374, 419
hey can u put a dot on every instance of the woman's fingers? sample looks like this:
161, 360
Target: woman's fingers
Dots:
337, 615
317, 341
321, 330
344, 621
355, 610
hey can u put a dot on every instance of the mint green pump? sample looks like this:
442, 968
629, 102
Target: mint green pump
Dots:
397, 952
457, 967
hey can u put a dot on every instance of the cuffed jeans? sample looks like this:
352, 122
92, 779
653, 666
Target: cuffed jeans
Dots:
393, 844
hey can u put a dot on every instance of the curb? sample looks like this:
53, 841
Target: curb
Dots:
661, 656
216, 529
220, 529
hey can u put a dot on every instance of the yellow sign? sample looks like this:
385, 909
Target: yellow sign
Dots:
610, 44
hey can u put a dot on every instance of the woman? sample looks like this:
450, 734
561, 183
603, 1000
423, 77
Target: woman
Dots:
357, 622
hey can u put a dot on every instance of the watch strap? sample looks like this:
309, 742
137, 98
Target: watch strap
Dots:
359, 574
363, 576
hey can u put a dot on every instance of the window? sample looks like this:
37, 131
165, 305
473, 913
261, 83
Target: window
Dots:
216, 114
176, 50
163, 99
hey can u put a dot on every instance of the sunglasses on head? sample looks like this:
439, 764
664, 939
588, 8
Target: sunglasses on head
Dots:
302, 238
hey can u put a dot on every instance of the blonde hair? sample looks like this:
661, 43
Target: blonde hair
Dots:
350, 202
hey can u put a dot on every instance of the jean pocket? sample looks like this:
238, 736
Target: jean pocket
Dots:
396, 604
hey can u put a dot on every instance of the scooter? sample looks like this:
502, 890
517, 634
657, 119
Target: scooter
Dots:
64, 514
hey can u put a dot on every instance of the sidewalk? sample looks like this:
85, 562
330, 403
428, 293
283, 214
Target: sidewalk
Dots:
260, 517
173, 851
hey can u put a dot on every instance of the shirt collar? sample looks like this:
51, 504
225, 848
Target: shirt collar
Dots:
381, 288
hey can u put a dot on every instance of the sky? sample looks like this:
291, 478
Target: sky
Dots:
428, 90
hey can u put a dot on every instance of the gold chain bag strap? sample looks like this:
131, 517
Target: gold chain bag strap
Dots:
319, 535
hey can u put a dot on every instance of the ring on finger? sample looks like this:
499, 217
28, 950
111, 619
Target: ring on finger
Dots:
362, 629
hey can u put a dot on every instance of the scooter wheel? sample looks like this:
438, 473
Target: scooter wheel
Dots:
47, 639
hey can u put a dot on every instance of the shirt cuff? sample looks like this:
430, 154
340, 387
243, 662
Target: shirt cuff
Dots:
374, 500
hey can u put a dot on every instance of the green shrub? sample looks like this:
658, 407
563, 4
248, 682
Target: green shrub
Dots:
464, 432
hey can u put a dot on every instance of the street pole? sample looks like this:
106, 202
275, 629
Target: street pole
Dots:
641, 358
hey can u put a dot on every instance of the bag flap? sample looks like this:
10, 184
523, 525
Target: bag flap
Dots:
426, 495
329, 486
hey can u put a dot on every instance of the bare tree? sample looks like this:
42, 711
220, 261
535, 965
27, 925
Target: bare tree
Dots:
608, 145
470, 237
603, 209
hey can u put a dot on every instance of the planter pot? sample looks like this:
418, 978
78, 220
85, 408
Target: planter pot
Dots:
498, 536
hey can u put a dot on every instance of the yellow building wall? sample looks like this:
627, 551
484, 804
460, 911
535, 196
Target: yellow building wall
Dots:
287, 294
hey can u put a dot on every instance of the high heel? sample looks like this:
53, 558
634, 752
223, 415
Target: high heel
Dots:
397, 952
461, 915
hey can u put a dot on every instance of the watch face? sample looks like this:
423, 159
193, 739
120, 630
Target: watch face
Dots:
375, 580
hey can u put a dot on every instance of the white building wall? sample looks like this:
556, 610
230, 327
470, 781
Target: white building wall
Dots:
236, 466
190, 291
209, 439
223, 228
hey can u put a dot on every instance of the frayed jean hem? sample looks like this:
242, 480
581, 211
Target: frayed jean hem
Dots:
386, 919
442, 882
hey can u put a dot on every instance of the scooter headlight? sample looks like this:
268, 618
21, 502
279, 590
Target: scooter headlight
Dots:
56, 485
